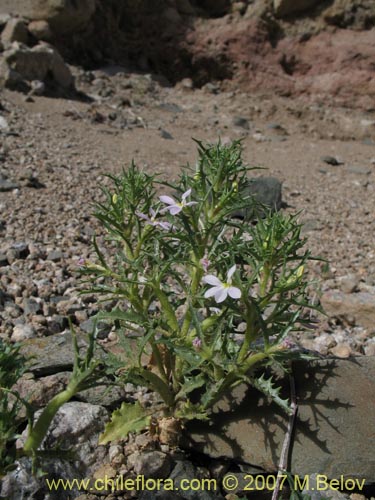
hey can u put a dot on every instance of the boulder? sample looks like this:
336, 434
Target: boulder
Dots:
266, 192
52, 354
41, 62
359, 14
63, 16
285, 8
40, 30
332, 432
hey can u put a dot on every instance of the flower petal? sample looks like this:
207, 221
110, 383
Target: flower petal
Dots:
167, 199
234, 292
165, 225
175, 209
153, 213
212, 291
191, 203
210, 279
142, 216
186, 194
230, 273
221, 294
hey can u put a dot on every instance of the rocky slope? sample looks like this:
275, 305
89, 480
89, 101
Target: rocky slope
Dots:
317, 48
108, 82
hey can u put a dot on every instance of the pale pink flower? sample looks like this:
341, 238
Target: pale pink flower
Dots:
197, 343
81, 261
221, 290
175, 207
205, 263
151, 220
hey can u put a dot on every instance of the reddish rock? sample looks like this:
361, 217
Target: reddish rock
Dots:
339, 65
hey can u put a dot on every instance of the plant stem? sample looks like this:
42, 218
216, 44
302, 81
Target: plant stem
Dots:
39, 430
250, 333
287, 440
264, 281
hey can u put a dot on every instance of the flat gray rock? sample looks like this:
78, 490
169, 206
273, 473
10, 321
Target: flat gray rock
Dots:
334, 431
51, 354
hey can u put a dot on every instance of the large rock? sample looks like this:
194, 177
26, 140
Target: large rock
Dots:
41, 62
359, 14
266, 192
52, 354
352, 307
286, 7
40, 30
333, 434
63, 16
76, 426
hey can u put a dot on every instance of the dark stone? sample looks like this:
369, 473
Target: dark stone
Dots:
331, 160
21, 250
171, 107
35, 183
51, 354
3, 260
265, 192
241, 121
104, 395
57, 324
186, 470
7, 184
31, 306
103, 328
154, 464
165, 135
22, 483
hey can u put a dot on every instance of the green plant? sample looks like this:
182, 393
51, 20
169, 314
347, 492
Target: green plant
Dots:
12, 366
86, 372
208, 299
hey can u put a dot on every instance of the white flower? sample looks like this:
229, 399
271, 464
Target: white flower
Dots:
152, 220
174, 206
221, 290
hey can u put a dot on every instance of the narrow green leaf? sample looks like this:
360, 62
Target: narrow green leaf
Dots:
119, 315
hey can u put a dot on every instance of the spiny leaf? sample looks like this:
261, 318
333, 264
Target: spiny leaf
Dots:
129, 418
190, 385
266, 386
190, 411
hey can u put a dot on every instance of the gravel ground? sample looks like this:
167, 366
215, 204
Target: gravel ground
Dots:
54, 154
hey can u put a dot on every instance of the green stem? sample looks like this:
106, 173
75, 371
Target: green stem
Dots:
197, 276
159, 362
40, 429
250, 333
167, 308
264, 281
